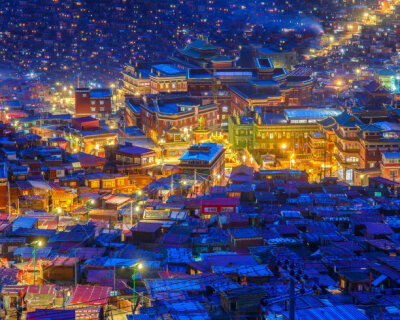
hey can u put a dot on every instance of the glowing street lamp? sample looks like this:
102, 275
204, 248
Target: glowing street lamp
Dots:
183, 183
89, 205
35, 245
136, 266
292, 161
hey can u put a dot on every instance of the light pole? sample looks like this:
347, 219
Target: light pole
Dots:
89, 206
136, 266
68, 294
283, 147
35, 245
138, 193
292, 161
183, 183
358, 71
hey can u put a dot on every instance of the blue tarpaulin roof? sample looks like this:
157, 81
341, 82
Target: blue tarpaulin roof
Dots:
24, 222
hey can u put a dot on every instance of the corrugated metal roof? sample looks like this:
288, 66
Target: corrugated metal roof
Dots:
343, 312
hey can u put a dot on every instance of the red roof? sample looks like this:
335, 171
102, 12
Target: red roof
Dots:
41, 289
64, 261
91, 295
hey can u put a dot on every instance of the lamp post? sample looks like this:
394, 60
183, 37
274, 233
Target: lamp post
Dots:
292, 161
138, 193
183, 183
68, 294
358, 71
35, 245
283, 147
136, 266
89, 206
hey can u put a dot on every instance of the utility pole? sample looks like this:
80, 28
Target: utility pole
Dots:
293, 277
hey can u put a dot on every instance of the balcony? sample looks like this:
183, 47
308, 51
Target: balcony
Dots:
347, 162
346, 151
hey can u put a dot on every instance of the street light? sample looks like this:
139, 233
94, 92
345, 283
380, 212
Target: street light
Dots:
136, 266
292, 161
35, 245
183, 183
89, 205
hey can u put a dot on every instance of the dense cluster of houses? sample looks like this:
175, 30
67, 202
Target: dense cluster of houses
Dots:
232, 250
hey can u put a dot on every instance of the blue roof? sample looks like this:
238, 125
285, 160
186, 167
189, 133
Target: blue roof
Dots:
134, 131
173, 107
167, 69
24, 222
100, 93
391, 154
314, 113
84, 119
12, 104
343, 312
208, 153
133, 108
135, 150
